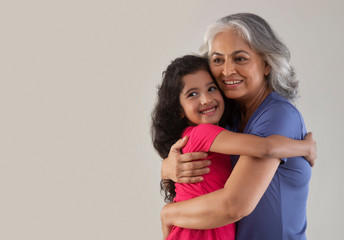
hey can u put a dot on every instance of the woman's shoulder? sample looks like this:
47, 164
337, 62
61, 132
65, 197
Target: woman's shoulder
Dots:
279, 105
276, 116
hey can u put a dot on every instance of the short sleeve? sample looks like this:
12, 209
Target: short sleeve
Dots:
201, 137
278, 118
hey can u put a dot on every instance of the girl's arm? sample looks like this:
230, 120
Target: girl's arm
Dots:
187, 168
274, 146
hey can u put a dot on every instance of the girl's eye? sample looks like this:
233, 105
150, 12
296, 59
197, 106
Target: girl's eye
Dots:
212, 88
192, 94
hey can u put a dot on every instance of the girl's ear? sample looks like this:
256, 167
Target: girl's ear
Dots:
182, 113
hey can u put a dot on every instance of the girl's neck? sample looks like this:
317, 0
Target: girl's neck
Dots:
190, 124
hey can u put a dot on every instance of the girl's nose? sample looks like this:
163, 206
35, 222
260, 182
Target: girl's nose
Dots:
206, 99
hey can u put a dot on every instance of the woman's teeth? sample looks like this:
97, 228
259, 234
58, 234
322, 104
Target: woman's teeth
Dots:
231, 82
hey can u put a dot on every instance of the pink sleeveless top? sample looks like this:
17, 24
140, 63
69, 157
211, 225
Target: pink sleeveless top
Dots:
201, 138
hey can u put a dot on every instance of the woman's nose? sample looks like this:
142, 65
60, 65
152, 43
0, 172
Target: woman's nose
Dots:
228, 68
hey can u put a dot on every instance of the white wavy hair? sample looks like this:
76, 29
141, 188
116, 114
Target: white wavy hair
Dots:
262, 39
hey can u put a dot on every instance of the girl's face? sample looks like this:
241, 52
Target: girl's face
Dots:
200, 99
239, 71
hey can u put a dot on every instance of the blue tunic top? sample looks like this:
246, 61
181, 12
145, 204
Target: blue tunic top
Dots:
281, 212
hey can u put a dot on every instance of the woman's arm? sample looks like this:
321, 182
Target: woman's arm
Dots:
241, 194
274, 146
183, 168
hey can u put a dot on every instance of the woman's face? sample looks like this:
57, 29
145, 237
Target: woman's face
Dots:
239, 71
200, 99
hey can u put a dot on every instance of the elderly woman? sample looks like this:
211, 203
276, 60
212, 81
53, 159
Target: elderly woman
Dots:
266, 196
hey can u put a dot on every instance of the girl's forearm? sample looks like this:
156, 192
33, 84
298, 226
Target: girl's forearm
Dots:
274, 146
283, 147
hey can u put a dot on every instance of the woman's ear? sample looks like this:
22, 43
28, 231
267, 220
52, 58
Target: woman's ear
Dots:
267, 69
182, 115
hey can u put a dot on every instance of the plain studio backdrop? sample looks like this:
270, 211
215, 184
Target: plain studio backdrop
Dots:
78, 84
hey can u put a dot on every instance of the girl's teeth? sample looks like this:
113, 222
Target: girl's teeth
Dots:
208, 111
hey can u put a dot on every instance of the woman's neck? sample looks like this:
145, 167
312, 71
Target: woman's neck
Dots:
251, 105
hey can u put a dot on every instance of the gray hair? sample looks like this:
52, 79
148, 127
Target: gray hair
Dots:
262, 39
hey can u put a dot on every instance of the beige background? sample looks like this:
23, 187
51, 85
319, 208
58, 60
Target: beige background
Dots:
78, 83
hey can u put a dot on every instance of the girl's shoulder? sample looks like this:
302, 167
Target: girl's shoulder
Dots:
200, 137
200, 129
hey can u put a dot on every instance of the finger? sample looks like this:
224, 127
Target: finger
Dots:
308, 136
311, 160
191, 179
194, 173
187, 157
187, 166
179, 144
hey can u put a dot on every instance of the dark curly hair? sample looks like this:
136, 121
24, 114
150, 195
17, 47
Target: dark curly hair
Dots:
167, 123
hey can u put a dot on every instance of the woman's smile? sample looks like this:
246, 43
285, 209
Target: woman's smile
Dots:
232, 83
239, 71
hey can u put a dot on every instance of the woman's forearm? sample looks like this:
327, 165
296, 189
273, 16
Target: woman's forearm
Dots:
240, 195
204, 212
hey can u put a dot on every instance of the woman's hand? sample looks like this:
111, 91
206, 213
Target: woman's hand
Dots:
164, 227
313, 149
182, 168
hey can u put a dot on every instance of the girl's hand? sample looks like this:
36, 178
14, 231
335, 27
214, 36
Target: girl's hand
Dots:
182, 168
313, 149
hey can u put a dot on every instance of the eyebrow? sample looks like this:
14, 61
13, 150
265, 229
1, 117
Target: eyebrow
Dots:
194, 89
232, 54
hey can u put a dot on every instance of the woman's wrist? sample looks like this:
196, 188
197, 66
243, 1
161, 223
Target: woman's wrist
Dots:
164, 214
163, 172
165, 226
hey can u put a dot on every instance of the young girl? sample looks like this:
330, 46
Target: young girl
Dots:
190, 104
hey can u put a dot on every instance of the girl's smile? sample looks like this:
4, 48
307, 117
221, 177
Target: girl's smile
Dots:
201, 99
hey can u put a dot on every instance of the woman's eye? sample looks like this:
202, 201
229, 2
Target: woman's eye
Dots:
240, 59
217, 61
